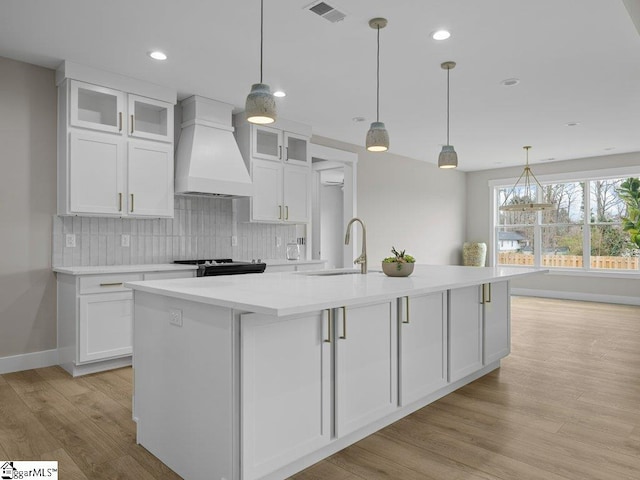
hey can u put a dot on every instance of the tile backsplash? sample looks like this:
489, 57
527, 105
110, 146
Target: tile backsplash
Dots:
202, 228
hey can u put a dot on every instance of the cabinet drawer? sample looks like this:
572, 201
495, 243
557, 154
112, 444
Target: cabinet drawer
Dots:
107, 283
171, 274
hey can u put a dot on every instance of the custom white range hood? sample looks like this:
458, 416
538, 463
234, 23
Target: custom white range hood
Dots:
208, 160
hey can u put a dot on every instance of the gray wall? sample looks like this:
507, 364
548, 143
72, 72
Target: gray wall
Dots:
409, 204
27, 206
571, 286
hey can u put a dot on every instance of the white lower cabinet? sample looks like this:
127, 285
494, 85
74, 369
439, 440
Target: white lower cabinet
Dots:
95, 321
422, 345
366, 365
286, 389
465, 332
497, 324
105, 326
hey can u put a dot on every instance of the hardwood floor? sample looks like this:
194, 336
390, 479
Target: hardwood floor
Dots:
564, 405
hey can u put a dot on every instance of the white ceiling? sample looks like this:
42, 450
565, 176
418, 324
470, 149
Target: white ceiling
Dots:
578, 61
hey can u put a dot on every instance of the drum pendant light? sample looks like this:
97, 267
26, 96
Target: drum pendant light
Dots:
377, 136
260, 106
448, 157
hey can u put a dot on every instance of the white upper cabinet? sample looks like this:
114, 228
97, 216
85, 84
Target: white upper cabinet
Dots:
150, 119
115, 145
266, 143
296, 149
97, 108
279, 160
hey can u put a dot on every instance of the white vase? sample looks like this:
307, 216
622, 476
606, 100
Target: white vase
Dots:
474, 254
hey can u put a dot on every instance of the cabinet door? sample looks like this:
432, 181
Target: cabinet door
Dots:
150, 119
95, 107
296, 149
150, 179
497, 324
105, 326
266, 203
96, 170
366, 365
297, 194
465, 332
286, 389
266, 143
423, 345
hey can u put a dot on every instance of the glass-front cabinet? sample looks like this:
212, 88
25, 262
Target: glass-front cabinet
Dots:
296, 149
266, 143
97, 108
150, 119
113, 111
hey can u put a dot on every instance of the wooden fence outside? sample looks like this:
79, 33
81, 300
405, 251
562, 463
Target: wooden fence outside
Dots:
570, 261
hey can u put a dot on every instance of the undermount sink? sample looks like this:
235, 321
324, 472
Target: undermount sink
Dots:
332, 273
329, 274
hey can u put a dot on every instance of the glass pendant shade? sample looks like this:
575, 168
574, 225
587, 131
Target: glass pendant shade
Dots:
260, 106
377, 138
448, 157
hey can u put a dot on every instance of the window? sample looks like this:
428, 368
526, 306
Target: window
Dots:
583, 231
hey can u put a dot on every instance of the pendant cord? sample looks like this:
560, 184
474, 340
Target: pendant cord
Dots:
261, 34
448, 70
378, 80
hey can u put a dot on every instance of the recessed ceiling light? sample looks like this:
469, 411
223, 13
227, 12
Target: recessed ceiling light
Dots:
510, 82
572, 124
550, 159
279, 93
158, 55
358, 119
440, 35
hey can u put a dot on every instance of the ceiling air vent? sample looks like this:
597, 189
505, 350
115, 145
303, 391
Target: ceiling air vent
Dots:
327, 12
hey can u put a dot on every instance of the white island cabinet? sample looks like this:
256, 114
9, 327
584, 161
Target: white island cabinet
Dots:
258, 377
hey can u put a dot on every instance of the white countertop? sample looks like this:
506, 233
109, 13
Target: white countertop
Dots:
291, 293
102, 269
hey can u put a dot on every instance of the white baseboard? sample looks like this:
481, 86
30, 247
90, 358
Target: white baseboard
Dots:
27, 361
585, 297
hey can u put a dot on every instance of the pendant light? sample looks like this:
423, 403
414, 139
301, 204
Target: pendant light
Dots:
377, 136
526, 177
448, 157
260, 106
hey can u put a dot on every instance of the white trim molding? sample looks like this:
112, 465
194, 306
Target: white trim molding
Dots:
584, 297
27, 361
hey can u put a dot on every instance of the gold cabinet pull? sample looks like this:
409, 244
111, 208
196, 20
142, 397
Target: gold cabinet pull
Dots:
280, 152
344, 323
329, 332
482, 301
120, 201
286, 154
279, 212
119, 121
132, 203
286, 215
132, 124
111, 284
407, 321
489, 300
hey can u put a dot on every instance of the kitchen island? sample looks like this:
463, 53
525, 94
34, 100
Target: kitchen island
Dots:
259, 376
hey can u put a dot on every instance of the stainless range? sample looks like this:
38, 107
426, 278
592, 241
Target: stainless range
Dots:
224, 266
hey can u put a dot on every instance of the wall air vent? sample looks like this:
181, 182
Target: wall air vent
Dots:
327, 12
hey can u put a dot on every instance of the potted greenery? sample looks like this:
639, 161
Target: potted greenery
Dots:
629, 191
400, 265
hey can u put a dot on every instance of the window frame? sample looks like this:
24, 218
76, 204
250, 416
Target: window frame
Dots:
566, 177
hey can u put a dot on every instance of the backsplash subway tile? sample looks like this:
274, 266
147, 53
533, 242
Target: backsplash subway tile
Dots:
201, 228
